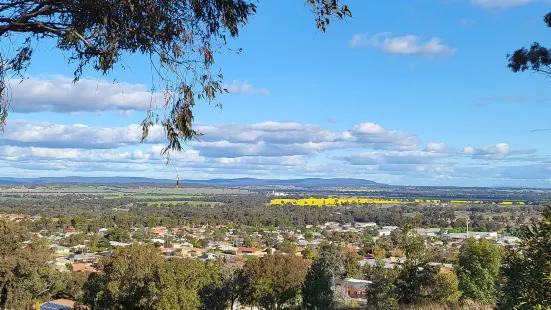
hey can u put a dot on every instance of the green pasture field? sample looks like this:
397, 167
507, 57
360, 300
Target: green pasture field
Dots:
210, 203
139, 196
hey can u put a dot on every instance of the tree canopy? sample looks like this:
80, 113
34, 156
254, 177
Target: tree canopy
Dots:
527, 270
478, 269
26, 274
273, 281
180, 38
138, 277
537, 58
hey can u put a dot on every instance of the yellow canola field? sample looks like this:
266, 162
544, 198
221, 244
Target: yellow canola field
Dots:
355, 200
333, 201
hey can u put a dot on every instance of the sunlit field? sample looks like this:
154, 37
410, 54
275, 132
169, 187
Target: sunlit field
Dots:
333, 201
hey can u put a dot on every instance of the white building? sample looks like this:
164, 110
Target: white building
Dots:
365, 225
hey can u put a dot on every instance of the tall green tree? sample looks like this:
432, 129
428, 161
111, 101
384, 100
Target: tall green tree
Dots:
527, 270
478, 269
351, 264
26, 272
446, 288
138, 277
273, 281
382, 293
333, 258
224, 291
179, 37
316, 292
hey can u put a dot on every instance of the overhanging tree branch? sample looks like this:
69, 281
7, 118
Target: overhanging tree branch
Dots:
180, 37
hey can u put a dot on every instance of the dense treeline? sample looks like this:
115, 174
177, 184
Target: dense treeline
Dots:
252, 210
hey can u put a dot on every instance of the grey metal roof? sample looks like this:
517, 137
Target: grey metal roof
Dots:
52, 306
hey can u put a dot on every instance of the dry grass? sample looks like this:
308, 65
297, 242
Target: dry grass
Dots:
466, 305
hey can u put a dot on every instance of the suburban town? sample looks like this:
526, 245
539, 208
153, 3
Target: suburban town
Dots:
275, 155
79, 250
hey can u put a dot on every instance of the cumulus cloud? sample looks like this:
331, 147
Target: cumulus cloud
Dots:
494, 151
382, 138
280, 149
438, 147
245, 88
59, 94
404, 45
50, 135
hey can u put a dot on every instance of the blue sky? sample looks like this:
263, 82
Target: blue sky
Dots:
410, 92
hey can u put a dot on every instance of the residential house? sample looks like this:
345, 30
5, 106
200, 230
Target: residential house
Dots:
248, 251
58, 304
508, 241
118, 244
83, 258
62, 249
207, 256
428, 232
228, 249
159, 231
69, 230
356, 288
472, 234
83, 268
384, 232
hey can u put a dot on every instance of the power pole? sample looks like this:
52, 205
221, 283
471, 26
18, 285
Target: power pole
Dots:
467, 224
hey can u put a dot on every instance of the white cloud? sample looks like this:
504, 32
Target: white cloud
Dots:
59, 94
438, 147
404, 45
494, 151
22, 133
245, 88
281, 149
382, 138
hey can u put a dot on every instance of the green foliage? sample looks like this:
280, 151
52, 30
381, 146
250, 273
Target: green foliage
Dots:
333, 260
73, 284
446, 288
527, 270
273, 281
379, 252
223, 292
26, 275
367, 239
316, 292
351, 264
478, 269
414, 283
382, 293
138, 277
458, 229
117, 234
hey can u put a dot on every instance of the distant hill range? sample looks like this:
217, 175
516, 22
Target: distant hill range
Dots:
240, 182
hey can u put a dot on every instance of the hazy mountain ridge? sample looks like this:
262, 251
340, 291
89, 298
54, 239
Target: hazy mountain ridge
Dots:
307, 182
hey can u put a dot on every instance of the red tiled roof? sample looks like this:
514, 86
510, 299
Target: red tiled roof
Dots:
79, 267
245, 249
